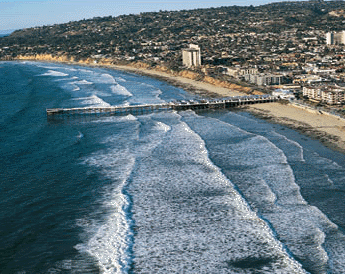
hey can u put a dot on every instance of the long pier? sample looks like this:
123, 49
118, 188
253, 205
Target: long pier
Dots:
175, 105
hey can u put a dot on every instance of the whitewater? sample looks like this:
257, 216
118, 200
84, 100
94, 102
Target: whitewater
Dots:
216, 191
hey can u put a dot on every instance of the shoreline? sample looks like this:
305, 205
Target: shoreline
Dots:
328, 129
194, 86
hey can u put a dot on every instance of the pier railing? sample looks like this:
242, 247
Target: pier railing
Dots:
175, 105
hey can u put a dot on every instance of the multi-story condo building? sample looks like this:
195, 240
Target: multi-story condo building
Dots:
240, 71
331, 95
263, 79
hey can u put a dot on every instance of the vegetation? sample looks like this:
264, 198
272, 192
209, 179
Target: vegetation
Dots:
226, 35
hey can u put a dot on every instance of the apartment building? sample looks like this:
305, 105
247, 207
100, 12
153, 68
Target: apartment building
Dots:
331, 95
263, 79
239, 71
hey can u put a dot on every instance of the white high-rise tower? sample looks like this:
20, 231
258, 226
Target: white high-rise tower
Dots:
191, 56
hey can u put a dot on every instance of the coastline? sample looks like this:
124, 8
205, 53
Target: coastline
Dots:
328, 129
194, 86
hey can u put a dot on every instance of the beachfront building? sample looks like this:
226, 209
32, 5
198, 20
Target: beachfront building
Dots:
312, 92
263, 79
238, 72
191, 56
328, 94
284, 94
333, 96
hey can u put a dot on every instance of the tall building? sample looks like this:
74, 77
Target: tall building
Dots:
335, 38
191, 56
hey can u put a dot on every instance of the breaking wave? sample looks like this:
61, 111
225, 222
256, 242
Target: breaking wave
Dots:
55, 73
120, 90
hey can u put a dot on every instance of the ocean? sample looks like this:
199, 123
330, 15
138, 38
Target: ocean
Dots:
216, 191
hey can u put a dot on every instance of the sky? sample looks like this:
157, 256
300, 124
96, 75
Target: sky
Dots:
26, 14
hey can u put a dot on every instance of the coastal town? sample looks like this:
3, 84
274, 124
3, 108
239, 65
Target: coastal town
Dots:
205, 140
295, 50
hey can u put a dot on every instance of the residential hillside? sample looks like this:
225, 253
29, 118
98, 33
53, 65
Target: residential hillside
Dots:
226, 35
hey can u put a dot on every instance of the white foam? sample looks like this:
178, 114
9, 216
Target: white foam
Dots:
324, 163
189, 218
261, 172
162, 126
120, 79
329, 181
86, 71
75, 84
82, 82
115, 119
71, 69
80, 135
93, 100
145, 94
120, 90
54, 73
95, 77
45, 66
336, 248
295, 149
66, 79
125, 103
109, 240
106, 79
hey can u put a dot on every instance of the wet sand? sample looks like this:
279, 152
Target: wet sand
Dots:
329, 129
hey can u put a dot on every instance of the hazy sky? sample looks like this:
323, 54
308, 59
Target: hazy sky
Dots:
24, 14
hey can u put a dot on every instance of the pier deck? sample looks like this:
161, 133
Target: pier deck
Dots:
175, 105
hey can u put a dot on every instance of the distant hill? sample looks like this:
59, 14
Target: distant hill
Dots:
6, 32
161, 35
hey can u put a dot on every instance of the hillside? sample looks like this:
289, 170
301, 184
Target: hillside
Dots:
226, 35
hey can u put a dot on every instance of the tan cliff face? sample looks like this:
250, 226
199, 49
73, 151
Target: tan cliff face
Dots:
65, 59
46, 57
189, 74
225, 84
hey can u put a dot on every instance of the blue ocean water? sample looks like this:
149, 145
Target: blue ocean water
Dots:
169, 192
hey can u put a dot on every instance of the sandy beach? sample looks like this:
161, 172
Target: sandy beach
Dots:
329, 129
